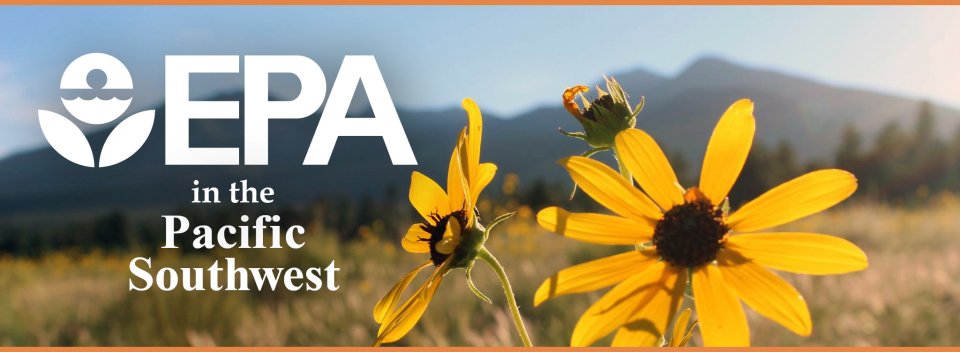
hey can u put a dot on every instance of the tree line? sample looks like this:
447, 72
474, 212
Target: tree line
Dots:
899, 164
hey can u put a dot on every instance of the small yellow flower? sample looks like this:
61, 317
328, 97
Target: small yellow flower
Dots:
680, 234
450, 231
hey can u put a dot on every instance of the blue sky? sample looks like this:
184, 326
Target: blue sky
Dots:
508, 58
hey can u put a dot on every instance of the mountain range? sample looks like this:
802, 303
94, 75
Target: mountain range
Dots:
680, 113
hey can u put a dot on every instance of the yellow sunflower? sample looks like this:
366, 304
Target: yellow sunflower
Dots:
450, 232
685, 236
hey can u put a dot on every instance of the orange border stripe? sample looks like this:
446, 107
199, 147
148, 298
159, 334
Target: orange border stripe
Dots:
474, 349
479, 2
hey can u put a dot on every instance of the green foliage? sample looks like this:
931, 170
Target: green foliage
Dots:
903, 165
899, 165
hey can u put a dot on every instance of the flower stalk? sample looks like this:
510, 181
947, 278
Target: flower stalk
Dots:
488, 258
623, 168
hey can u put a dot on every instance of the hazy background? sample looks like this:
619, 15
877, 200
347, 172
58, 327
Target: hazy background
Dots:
869, 89
509, 59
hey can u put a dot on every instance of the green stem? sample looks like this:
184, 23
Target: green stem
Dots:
487, 257
623, 167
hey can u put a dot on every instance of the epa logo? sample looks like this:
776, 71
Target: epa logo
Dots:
96, 102
103, 81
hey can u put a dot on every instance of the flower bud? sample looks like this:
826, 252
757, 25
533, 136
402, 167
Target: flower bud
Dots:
603, 118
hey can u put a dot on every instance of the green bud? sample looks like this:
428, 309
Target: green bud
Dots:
605, 116
471, 240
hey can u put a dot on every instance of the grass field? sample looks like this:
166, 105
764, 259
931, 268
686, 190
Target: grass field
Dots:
910, 295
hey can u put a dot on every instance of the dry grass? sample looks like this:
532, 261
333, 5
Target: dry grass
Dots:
908, 296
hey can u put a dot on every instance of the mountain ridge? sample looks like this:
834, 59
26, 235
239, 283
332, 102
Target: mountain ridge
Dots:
680, 112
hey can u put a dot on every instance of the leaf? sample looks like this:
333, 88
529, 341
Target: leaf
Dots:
66, 138
496, 222
127, 138
473, 287
586, 154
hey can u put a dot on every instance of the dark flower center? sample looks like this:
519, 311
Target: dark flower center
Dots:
691, 234
606, 101
436, 227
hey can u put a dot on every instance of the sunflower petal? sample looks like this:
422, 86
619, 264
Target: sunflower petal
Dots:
451, 237
766, 292
802, 253
610, 189
595, 228
594, 275
396, 325
414, 241
684, 340
681, 329
722, 322
386, 304
474, 138
805, 195
427, 196
456, 181
485, 174
618, 305
650, 321
727, 150
649, 167
568, 103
